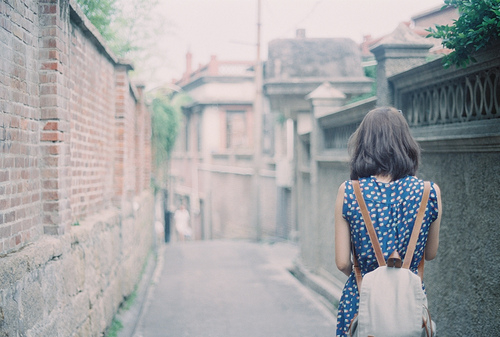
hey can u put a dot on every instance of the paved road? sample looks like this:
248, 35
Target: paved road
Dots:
230, 289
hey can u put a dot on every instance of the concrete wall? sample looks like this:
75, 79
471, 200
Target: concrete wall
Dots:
463, 280
461, 152
330, 176
307, 229
76, 216
268, 204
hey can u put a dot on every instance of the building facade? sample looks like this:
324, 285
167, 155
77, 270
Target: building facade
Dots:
213, 167
303, 77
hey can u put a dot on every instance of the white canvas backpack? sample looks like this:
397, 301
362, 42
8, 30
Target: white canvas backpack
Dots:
392, 302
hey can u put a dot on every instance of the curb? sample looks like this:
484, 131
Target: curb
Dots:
329, 291
131, 317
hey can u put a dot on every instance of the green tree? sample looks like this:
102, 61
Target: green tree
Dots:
130, 27
477, 28
370, 72
101, 13
165, 123
166, 120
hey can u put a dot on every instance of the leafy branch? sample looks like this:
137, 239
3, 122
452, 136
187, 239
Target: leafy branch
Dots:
166, 120
132, 28
477, 28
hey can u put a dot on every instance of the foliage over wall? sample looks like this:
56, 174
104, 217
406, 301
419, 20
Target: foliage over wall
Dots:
133, 29
166, 120
165, 127
165, 123
477, 28
100, 13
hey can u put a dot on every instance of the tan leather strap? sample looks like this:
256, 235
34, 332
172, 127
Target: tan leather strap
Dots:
357, 269
416, 227
368, 223
421, 268
394, 260
427, 324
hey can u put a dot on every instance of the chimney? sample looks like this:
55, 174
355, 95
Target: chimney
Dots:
300, 33
213, 66
189, 63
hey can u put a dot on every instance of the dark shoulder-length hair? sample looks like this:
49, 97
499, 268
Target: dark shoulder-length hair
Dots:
383, 145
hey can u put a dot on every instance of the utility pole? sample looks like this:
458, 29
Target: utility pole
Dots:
257, 111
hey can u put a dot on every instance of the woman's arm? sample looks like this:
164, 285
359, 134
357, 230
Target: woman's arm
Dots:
432, 245
342, 236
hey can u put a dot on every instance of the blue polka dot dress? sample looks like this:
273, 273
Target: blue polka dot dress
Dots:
393, 207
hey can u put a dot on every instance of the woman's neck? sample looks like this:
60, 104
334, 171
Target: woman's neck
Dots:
383, 178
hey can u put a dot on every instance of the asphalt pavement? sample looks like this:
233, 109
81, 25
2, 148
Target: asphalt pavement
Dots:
228, 289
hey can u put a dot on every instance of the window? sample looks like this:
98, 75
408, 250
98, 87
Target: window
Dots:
236, 129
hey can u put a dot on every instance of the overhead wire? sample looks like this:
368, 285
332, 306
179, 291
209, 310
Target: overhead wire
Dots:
296, 24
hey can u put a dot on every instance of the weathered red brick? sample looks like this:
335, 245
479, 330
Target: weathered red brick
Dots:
51, 126
50, 65
51, 136
5, 231
50, 195
10, 216
48, 9
4, 175
50, 184
48, 89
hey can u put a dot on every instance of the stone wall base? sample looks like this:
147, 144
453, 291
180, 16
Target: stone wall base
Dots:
72, 285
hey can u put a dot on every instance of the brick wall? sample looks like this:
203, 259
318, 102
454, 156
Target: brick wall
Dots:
92, 116
74, 174
74, 131
143, 144
20, 183
125, 135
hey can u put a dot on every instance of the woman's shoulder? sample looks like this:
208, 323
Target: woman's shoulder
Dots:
346, 186
413, 180
413, 183
406, 183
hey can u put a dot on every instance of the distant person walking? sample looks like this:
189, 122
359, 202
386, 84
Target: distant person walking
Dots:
181, 218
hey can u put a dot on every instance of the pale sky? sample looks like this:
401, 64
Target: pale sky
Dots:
228, 28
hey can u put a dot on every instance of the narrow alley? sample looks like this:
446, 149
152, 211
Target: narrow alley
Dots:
108, 128
230, 288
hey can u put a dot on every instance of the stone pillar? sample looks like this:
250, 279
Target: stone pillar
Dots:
324, 100
123, 135
54, 116
400, 51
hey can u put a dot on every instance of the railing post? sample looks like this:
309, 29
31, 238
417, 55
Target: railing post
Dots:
395, 53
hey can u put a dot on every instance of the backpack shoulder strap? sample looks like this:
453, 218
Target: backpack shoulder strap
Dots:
357, 269
416, 227
368, 223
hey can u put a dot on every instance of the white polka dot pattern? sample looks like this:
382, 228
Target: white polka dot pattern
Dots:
393, 208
